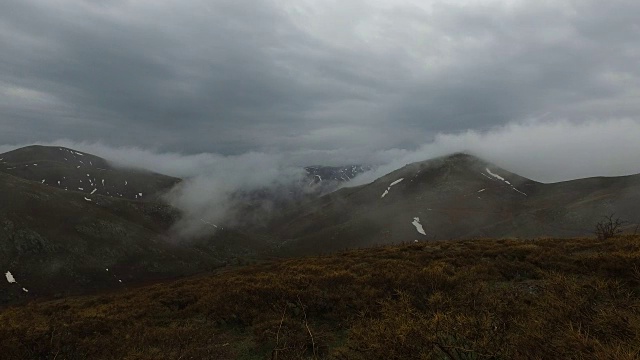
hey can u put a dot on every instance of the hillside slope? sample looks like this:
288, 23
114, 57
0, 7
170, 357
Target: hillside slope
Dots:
56, 240
500, 299
457, 196
73, 170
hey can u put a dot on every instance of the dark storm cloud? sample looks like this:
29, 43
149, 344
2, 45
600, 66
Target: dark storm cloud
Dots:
308, 76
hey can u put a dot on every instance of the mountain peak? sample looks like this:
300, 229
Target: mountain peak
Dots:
75, 171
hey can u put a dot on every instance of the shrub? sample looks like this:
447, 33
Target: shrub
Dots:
609, 227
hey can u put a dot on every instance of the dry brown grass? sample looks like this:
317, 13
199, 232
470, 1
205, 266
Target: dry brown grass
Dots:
479, 299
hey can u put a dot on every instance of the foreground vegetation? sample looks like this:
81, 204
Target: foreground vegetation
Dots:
476, 299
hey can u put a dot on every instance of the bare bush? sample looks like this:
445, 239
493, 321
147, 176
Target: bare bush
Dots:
609, 227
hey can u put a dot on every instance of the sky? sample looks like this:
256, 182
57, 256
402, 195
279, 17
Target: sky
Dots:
547, 87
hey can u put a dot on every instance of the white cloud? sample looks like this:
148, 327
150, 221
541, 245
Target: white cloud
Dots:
546, 151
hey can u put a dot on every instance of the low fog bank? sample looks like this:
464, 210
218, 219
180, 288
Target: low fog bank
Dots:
544, 151
217, 188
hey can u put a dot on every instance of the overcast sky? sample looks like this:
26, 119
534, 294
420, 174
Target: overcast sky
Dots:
320, 78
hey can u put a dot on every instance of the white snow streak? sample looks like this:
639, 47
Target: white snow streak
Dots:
495, 175
390, 185
419, 228
505, 181
208, 223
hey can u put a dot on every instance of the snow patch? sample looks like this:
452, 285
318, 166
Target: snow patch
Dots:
481, 190
10, 277
390, 185
419, 228
504, 180
93, 191
208, 223
25, 290
494, 175
397, 182
89, 200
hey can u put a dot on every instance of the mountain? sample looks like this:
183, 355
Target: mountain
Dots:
437, 298
253, 209
72, 222
457, 196
73, 170
329, 178
106, 229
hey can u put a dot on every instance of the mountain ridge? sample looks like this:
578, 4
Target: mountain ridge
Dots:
457, 196
81, 233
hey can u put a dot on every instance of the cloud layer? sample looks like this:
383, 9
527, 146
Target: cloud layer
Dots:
231, 77
546, 151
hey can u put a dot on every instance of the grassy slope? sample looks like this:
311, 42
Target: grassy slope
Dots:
55, 242
505, 299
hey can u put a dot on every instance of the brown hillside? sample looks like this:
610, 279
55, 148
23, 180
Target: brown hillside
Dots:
493, 299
